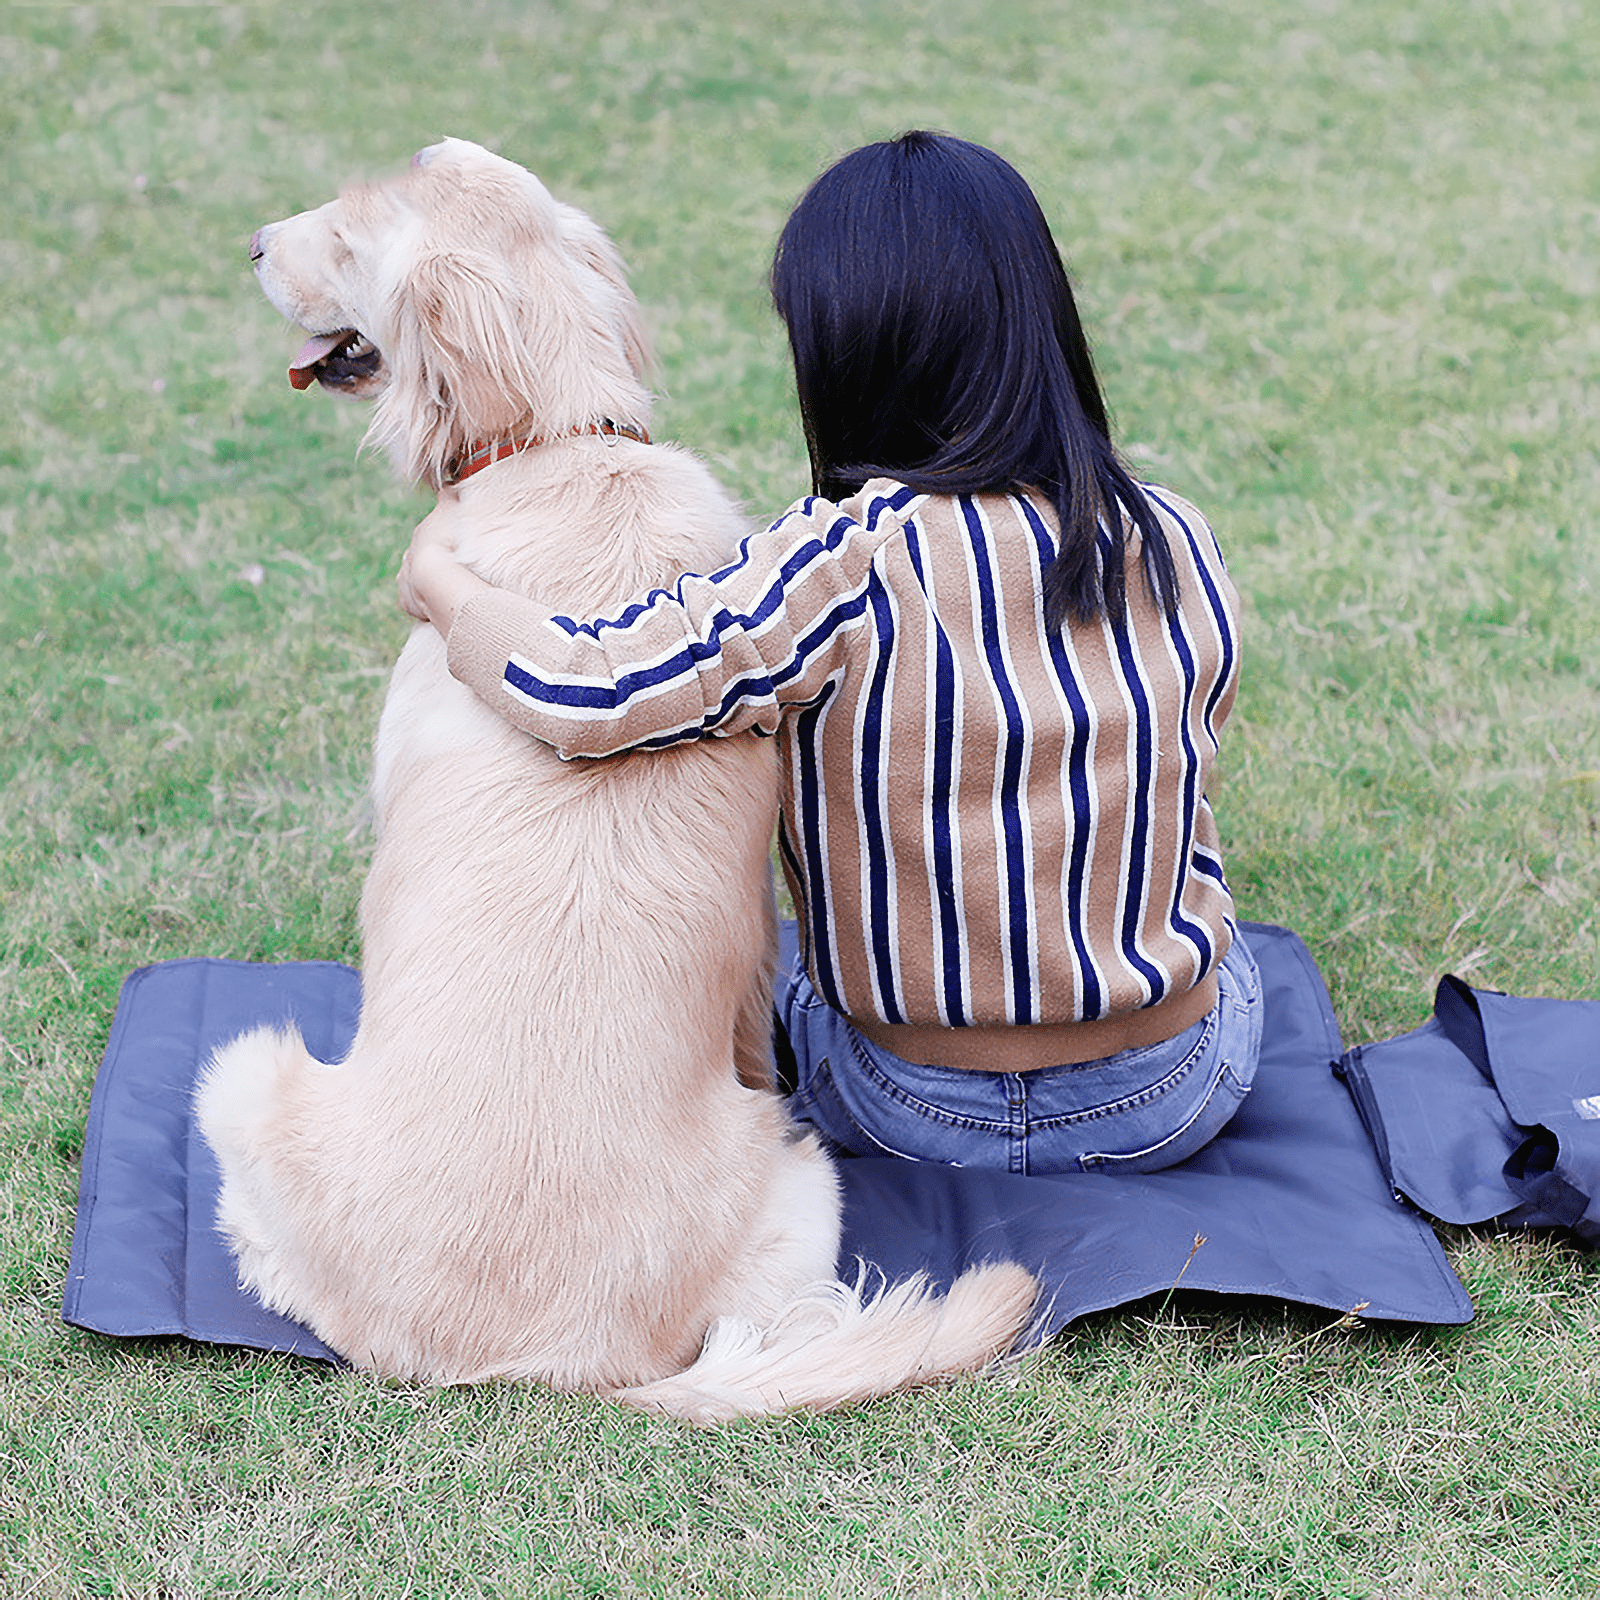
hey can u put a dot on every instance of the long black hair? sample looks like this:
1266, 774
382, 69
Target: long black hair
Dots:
936, 341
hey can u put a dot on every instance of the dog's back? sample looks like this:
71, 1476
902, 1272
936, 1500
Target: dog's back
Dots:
536, 1157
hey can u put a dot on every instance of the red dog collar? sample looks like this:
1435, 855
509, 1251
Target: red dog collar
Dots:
485, 455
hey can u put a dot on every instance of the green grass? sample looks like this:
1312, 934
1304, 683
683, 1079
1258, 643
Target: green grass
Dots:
1340, 260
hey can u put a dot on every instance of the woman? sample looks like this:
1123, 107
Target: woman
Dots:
998, 668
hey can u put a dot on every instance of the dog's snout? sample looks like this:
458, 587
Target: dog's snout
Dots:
257, 249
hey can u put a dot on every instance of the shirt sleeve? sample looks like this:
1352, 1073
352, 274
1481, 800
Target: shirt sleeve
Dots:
716, 654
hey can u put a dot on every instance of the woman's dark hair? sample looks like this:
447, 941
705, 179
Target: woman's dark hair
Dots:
936, 341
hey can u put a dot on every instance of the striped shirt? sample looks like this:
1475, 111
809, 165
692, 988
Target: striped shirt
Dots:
985, 820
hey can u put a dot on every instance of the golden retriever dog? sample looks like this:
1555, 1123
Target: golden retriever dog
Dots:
552, 1151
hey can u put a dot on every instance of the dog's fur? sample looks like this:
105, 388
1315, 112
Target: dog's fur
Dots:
546, 1154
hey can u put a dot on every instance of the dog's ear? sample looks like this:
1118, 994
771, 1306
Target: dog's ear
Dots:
457, 356
465, 314
595, 251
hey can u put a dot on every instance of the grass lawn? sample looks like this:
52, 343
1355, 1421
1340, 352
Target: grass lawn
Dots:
1340, 259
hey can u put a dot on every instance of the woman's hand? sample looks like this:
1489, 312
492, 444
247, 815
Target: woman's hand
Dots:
432, 582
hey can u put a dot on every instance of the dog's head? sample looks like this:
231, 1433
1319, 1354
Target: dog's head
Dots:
464, 299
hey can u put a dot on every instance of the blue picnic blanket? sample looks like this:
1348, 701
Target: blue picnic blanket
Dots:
1291, 1202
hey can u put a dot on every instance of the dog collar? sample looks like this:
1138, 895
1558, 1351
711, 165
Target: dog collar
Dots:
484, 455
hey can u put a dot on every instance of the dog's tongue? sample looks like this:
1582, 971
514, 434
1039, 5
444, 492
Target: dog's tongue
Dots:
301, 373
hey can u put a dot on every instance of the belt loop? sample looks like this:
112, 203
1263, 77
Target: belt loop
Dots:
1017, 1107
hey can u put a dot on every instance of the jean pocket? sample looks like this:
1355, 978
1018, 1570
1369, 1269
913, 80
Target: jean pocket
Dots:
820, 1103
1222, 1098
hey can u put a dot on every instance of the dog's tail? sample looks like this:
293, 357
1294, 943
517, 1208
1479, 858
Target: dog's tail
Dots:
840, 1344
247, 1087
251, 1105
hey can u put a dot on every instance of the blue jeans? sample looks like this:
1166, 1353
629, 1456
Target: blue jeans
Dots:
1137, 1111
